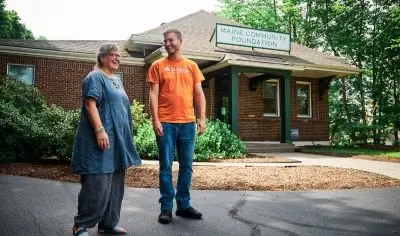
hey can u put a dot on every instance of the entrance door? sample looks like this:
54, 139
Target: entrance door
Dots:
222, 107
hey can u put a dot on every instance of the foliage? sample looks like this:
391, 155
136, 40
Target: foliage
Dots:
138, 115
33, 129
145, 140
11, 26
217, 142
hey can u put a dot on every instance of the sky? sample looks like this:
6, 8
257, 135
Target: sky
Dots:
101, 19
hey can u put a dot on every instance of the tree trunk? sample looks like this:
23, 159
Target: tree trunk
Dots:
396, 95
360, 75
307, 28
374, 82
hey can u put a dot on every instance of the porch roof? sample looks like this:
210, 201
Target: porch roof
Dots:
198, 44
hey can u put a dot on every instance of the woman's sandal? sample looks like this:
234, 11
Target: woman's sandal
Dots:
115, 230
80, 232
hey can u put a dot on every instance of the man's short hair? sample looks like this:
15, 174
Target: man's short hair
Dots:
175, 31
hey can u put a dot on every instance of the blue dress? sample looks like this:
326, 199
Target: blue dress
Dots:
115, 114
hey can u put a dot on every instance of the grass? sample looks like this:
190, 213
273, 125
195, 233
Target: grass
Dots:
344, 151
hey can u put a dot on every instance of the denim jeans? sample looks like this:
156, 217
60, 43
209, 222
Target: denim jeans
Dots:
182, 137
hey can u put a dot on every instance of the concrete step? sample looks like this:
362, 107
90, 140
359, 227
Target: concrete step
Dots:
270, 149
262, 145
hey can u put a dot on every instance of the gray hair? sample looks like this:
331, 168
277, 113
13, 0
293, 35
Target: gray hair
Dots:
104, 50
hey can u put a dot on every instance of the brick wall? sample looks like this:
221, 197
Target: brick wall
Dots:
253, 125
209, 94
61, 80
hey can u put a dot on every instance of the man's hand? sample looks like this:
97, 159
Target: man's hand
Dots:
201, 127
157, 126
102, 140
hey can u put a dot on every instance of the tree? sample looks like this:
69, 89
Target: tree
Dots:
11, 26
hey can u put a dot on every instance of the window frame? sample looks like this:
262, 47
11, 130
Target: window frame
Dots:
278, 100
122, 75
309, 98
27, 65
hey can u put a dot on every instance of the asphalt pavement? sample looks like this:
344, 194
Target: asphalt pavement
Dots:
30, 207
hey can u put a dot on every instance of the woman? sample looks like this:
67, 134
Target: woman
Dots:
103, 146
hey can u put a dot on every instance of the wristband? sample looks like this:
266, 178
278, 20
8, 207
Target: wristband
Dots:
99, 130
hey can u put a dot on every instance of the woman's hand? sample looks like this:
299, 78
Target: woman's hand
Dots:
102, 140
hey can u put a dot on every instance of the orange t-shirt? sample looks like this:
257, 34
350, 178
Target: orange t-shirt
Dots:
176, 80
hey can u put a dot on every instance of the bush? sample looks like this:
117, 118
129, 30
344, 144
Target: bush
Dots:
33, 129
145, 140
138, 115
218, 142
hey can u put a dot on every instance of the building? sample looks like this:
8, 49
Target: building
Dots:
264, 86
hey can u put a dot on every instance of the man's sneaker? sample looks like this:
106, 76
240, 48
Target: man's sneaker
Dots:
165, 217
189, 213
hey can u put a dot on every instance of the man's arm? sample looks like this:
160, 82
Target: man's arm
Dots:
201, 106
154, 92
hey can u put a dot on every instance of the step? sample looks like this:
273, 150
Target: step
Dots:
264, 144
270, 149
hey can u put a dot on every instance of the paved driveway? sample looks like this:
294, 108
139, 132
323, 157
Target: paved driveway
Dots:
31, 207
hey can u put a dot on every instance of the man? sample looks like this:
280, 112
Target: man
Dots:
175, 82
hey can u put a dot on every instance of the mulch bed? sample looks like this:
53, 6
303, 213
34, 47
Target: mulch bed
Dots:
228, 178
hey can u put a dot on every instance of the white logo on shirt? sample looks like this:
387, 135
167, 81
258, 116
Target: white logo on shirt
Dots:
176, 69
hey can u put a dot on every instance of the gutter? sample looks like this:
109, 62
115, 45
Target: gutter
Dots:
81, 56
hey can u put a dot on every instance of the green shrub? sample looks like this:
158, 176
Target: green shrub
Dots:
145, 140
60, 127
32, 129
218, 142
138, 115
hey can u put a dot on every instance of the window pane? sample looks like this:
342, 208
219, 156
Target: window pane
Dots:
270, 106
21, 72
270, 101
118, 75
303, 99
270, 89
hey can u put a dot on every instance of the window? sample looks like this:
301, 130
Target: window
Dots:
119, 75
25, 73
303, 99
271, 98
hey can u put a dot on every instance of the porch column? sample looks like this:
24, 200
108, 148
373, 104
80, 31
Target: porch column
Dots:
234, 94
286, 114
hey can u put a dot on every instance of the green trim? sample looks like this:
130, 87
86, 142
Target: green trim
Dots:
245, 69
234, 92
286, 114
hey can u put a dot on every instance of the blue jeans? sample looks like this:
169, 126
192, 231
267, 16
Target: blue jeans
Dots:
182, 137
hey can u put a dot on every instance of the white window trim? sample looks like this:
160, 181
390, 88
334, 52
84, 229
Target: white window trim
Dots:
122, 75
278, 99
17, 64
309, 97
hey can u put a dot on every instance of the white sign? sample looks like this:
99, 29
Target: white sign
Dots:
234, 35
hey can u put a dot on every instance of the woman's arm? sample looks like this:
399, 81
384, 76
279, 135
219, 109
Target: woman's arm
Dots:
94, 119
